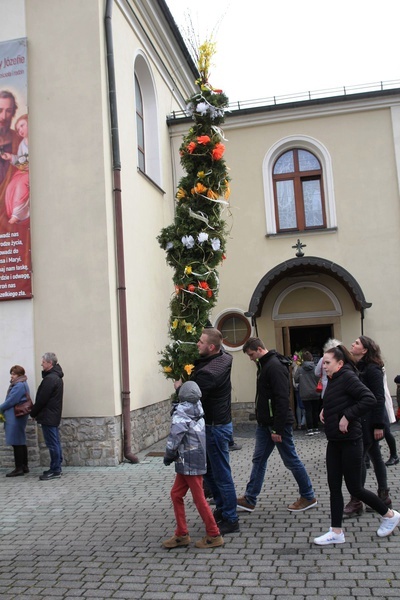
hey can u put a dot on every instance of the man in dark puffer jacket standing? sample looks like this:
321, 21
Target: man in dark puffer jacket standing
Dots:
47, 411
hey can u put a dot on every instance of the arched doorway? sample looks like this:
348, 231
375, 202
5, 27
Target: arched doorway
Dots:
305, 300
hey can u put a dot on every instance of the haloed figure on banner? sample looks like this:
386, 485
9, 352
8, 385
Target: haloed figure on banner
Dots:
17, 191
9, 144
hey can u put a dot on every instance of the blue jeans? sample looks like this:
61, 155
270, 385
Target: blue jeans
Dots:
263, 448
52, 440
219, 477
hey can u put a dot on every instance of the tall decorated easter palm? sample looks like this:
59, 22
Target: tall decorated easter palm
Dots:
195, 242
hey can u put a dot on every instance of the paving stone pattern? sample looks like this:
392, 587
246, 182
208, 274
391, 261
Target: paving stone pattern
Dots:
97, 533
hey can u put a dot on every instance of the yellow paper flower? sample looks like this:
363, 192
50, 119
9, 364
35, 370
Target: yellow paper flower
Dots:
200, 174
227, 191
180, 194
167, 369
189, 328
188, 270
175, 324
188, 369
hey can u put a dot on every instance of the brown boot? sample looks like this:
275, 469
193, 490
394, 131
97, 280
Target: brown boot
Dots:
384, 496
353, 509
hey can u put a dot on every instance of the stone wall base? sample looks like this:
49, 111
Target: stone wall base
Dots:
98, 441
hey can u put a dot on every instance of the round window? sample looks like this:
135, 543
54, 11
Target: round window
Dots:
235, 329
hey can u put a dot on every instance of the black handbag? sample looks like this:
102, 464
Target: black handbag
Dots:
23, 408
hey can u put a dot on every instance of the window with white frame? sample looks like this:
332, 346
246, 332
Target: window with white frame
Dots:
140, 127
147, 130
298, 186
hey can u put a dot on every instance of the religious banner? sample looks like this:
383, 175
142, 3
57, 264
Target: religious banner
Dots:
15, 245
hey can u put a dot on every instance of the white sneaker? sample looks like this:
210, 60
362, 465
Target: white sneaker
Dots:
330, 538
388, 524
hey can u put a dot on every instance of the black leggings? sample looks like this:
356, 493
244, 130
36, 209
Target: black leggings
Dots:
391, 441
374, 452
344, 460
20, 456
312, 408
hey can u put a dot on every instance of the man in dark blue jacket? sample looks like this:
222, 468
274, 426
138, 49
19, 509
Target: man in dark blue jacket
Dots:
47, 411
275, 428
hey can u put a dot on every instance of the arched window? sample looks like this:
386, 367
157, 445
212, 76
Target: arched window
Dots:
147, 134
298, 186
298, 191
140, 126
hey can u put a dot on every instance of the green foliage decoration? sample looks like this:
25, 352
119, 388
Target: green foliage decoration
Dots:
195, 242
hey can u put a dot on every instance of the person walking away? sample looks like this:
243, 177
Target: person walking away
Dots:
274, 428
390, 418
307, 381
319, 370
367, 356
47, 412
299, 406
15, 427
186, 446
212, 373
346, 400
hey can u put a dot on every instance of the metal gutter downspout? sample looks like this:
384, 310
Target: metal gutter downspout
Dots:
121, 289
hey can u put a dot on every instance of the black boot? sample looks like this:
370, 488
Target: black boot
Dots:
393, 460
353, 509
15, 473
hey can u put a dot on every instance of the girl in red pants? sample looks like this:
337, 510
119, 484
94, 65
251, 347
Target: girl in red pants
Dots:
186, 446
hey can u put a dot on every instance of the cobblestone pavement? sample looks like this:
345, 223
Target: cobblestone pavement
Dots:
97, 532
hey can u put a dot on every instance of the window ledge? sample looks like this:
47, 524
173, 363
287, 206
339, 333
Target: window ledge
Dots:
305, 232
150, 180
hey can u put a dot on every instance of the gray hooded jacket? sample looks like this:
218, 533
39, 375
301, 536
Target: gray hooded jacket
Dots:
186, 443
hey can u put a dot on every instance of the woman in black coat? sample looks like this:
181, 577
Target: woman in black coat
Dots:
367, 355
346, 400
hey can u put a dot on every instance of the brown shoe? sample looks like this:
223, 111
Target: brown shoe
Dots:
244, 505
210, 542
302, 504
177, 541
354, 508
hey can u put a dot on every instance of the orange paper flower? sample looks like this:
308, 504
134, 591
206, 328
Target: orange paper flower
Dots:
199, 188
191, 147
203, 139
212, 195
218, 151
188, 369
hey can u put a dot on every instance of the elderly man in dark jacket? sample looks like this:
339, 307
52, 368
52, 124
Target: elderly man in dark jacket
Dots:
47, 411
275, 420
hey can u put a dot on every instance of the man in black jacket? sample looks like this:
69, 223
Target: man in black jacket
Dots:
47, 411
275, 420
212, 373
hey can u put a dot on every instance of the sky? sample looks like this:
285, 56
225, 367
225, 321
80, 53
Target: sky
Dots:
267, 48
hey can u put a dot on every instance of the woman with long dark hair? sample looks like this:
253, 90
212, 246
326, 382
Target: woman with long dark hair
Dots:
15, 426
346, 400
367, 355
